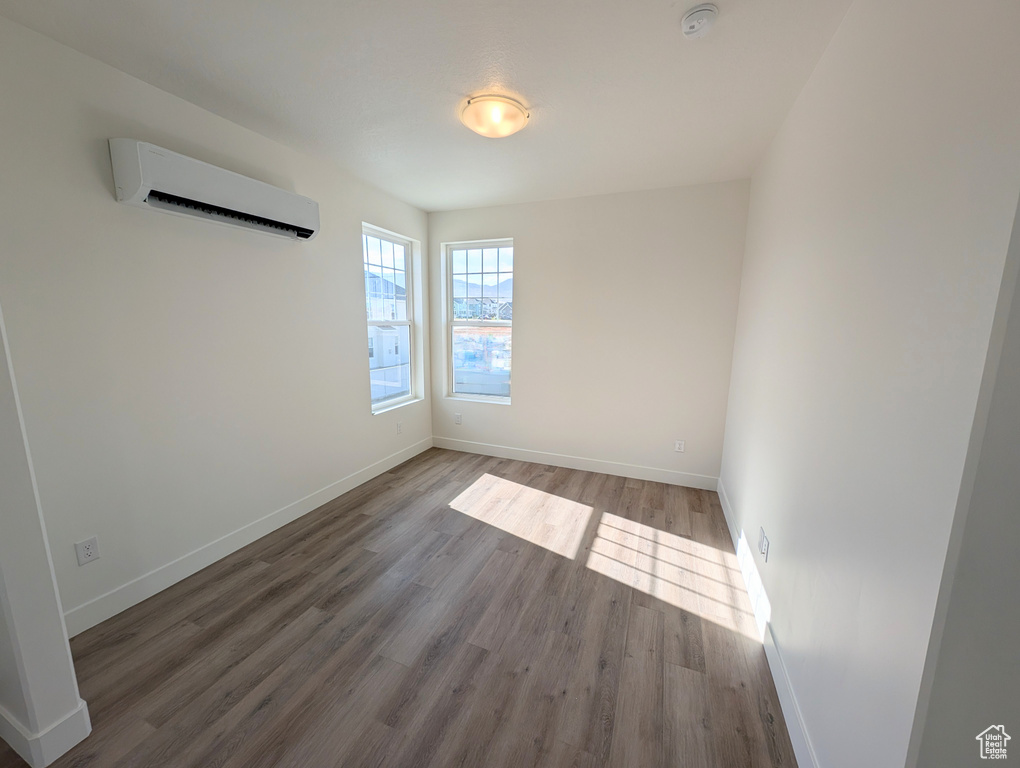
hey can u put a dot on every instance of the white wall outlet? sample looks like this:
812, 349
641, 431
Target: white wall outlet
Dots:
763, 544
400, 427
87, 550
457, 419
678, 446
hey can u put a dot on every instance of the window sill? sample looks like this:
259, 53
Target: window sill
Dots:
480, 399
392, 406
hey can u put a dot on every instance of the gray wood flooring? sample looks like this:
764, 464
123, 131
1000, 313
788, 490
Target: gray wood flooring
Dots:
459, 610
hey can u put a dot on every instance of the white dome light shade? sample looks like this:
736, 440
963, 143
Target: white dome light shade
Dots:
494, 116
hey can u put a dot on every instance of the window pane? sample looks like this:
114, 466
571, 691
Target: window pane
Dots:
506, 286
474, 260
398, 256
387, 253
400, 278
460, 288
489, 260
490, 298
374, 293
474, 285
506, 296
390, 363
506, 259
481, 361
459, 262
373, 256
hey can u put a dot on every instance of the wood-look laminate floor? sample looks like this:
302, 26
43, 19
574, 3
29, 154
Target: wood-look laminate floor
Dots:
459, 610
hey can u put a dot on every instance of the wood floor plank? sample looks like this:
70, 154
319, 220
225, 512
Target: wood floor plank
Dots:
280, 711
599, 619
350, 712
678, 518
436, 717
188, 691
739, 735
564, 755
183, 711
683, 643
471, 742
455, 629
638, 736
413, 636
534, 718
687, 730
457, 610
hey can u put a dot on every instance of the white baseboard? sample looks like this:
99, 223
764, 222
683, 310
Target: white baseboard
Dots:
728, 513
99, 609
704, 482
41, 749
803, 750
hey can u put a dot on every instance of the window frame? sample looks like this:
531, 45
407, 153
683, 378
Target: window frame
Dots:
411, 322
452, 322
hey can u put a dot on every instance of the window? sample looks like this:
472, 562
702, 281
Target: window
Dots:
480, 311
389, 304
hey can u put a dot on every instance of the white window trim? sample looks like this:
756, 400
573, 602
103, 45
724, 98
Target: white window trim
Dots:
412, 250
451, 323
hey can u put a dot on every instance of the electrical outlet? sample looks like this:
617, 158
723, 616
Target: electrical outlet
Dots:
763, 544
400, 427
457, 419
678, 446
87, 550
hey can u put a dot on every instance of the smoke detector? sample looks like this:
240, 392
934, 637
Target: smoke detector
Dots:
699, 20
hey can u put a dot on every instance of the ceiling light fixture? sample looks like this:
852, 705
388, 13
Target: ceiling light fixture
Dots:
494, 116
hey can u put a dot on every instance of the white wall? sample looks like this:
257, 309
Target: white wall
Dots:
976, 674
877, 234
624, 312
181, 381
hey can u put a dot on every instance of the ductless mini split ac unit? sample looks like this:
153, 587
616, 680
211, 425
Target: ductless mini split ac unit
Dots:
152, 177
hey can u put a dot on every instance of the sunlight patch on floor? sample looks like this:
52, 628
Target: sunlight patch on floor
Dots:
542, 518
695, 577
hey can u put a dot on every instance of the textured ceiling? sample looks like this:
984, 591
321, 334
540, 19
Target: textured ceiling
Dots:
619, 99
